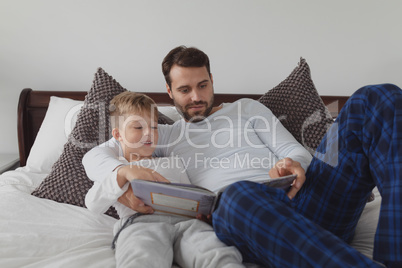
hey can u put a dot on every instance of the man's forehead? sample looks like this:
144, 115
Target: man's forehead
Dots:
181, 75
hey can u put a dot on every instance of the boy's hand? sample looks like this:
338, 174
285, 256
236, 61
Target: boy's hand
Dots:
133, 172
287, 166
130, 200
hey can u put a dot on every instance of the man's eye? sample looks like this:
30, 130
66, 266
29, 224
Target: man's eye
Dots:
154, 127
203, 86
137, 127
183, 90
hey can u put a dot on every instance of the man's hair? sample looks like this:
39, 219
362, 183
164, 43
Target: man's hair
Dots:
129, 103
184, 57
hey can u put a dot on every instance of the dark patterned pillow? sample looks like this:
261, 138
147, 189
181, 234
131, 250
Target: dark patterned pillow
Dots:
297, 104
164, 120
67, 181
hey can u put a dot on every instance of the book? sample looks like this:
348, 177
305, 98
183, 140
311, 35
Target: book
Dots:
187, 199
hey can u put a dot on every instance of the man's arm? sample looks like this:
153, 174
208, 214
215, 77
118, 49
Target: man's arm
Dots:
293, 157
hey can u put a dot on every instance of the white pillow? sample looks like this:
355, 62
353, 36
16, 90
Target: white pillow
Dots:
170, 111
363, 240
59, 120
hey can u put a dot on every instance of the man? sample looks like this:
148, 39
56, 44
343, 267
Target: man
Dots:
189, 83
267, 225
311, 231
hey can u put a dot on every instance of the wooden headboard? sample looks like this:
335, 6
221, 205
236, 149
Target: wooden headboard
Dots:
32, 107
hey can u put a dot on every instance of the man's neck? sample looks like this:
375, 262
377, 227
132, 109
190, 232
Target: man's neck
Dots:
214, 109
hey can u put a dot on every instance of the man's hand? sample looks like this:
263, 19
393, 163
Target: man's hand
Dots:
133, 172
287, 166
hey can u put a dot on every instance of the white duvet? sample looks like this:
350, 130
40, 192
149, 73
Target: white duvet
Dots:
38, 232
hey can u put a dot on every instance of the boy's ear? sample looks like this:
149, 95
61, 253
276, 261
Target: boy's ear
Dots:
116, 134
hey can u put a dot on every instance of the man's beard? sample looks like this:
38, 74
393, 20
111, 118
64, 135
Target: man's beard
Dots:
197, 116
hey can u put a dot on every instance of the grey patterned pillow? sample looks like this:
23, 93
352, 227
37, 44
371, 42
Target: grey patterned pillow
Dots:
67, 181
297, 104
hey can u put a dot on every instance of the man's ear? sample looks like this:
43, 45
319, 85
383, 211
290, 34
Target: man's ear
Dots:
169, 91
116, 134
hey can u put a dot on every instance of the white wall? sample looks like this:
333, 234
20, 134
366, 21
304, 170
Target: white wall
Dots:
253, 44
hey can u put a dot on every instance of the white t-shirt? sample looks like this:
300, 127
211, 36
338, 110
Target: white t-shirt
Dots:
241, 141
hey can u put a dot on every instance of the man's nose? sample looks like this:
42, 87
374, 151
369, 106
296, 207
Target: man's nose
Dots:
196, 96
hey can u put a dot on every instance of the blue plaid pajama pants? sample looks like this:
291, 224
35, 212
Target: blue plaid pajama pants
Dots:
362, 149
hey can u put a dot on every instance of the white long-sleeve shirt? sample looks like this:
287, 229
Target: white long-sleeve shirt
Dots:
241, 141
104, 193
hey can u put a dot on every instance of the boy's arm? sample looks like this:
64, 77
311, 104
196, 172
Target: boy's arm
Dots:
102, 160
114, 187
104, 194
131, 172
99, 163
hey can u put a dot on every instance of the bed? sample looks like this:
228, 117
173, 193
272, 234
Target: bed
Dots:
46, 232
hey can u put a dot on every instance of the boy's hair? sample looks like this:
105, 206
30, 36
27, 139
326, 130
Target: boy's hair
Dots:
184, 57
129, 103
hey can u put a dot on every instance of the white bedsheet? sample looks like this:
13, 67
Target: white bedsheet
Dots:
37, 232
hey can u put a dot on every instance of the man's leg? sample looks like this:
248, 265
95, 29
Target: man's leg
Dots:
339, 180
362, 149
260, 222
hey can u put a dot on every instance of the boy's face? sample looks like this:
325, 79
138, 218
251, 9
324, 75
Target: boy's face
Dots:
138, 136
192, 91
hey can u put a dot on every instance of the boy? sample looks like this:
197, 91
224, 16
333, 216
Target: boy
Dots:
152, 240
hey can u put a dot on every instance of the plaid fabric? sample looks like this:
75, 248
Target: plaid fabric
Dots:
362, 149
262, 224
